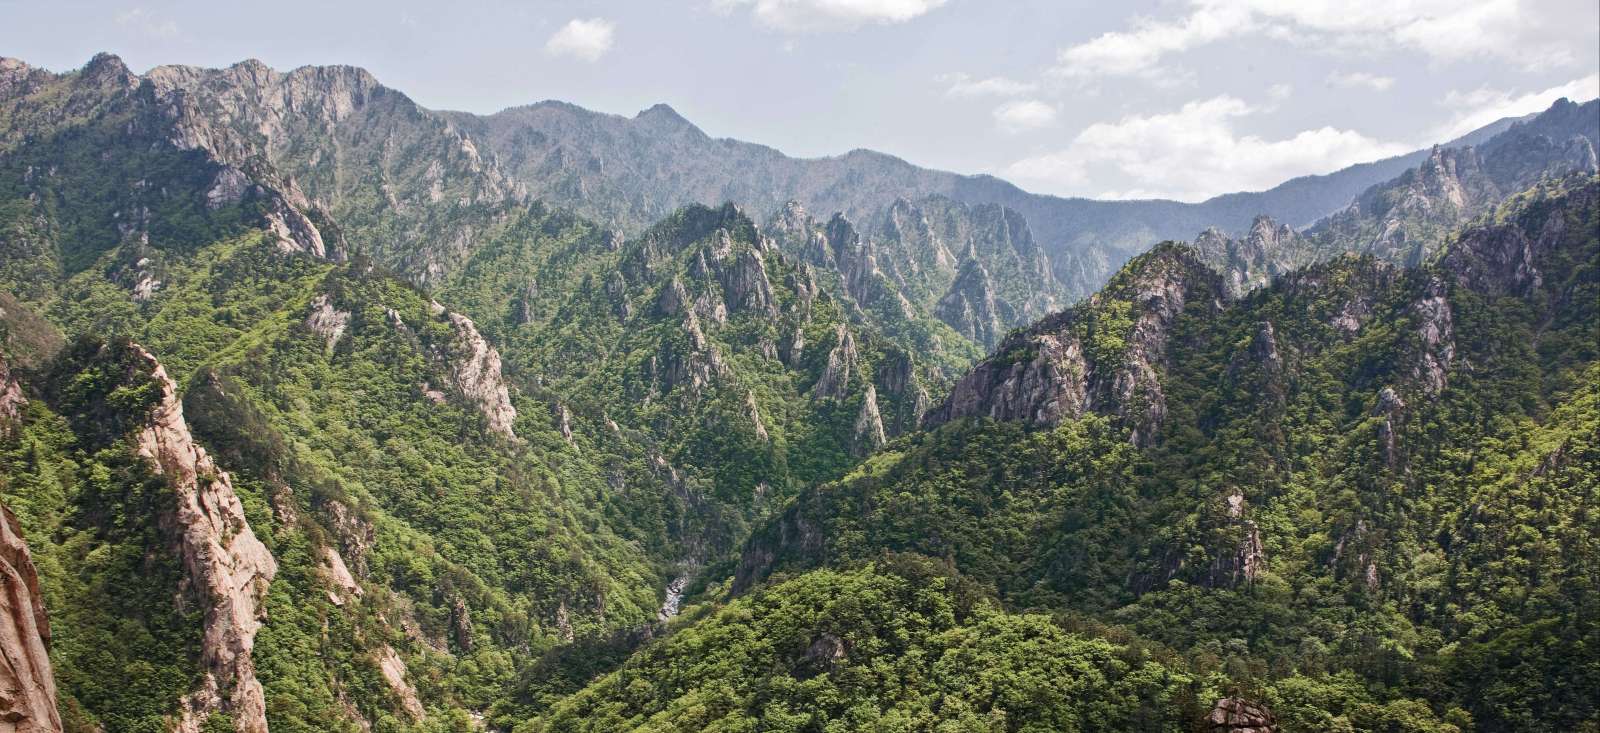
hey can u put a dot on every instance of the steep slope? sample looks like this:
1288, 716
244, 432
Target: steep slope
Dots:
414, 186
701, 334
975, 268
26, 677
224, 564
428, 528
904, 644
1356, 467
629, 172
1407, 220
452, 493
403, 180
1104, 355
29, 705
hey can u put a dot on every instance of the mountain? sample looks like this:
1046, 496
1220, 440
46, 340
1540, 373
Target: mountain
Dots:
240, 400
1407, 220
443, 180
627, 172
265, 478
1342, 480
316, 416
976, 269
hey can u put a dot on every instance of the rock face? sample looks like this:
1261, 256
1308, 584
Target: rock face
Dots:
11, 397
869, 435
970, 306
327, 321
1053, 371
977, 268
27, 685
1406, 220
1268, 250
835, 380
1246, 560
1238, 715
1436, 335
225, 566
312, 126
393, 669
473, 367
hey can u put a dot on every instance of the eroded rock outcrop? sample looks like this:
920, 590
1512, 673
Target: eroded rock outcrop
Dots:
1238, 715
393, 669
342, 584
752, 412
1059, 369
970, 306
226, 568
472, 365
11, 397
842, 364
1435, 324
1245, 560
1392, 409
1268, 250
746, 286
27, 683
869, 434
693, 366
327, 321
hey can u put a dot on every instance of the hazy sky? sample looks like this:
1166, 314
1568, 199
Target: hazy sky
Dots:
1182, 99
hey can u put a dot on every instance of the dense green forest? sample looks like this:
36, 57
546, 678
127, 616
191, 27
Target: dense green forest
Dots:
314, 419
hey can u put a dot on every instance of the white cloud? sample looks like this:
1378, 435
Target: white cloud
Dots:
963, 85
1139, 51
1023, 115
800, 16
1482, 106
1192, 154
586, 40
1442, 30
147, 24
1353, 79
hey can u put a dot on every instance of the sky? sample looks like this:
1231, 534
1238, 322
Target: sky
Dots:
1182, 99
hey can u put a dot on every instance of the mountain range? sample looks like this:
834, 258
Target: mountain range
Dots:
322, 411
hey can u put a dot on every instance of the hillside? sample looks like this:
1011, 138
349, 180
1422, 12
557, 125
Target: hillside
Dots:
323, 411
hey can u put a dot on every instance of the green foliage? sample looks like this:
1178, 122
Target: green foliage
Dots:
123, 650
1425, 563
904, 645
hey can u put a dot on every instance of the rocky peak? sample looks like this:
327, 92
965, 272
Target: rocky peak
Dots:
27, 683
661, 117
1267, 250
225, 565
108, 68
1050, 373
853, 256
746, 285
